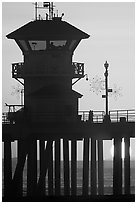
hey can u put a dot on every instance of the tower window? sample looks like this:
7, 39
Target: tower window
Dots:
72, 44
57, 43
23, 44
37, 45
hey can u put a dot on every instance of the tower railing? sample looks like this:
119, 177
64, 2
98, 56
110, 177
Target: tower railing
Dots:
78, 69
5, 119
18, 70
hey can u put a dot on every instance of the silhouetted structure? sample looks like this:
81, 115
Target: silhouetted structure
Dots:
50, 113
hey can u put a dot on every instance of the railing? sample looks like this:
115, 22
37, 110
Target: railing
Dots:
17, 70
5, 119
97, 116
117, 115
9, 117
84, 116
78, 69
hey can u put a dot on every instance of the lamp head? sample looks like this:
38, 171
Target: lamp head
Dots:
86, 77
106, 65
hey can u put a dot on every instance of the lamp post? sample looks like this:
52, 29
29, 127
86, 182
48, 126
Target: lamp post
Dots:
106, 65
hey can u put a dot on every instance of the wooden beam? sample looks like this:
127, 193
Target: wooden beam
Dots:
117, 167
7, 169
85, 166
100, 168
17, 183
19, 155
44, 166
50, 174
93, 167
73, 167
41, 153
66, 167
57, 167
41, 159
32, 168
127, 165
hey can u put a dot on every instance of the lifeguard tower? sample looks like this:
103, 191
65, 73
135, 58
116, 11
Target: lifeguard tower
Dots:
49, 121
48, 47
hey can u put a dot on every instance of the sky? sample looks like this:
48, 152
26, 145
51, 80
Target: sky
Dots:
112, 38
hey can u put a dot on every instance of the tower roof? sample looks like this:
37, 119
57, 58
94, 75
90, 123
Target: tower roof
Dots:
48, 29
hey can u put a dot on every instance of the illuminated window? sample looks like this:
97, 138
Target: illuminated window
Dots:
57, 43
37, 45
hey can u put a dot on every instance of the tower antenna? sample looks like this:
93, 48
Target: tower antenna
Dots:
46, 5
36, 7
51, 10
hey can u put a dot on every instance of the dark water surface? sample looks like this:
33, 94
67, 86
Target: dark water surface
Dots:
108, 177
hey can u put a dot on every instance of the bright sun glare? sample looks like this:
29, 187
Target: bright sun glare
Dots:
123, 150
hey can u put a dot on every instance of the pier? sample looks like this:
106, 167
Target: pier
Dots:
92, 133
47, 126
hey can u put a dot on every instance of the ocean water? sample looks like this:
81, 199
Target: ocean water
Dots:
108, 177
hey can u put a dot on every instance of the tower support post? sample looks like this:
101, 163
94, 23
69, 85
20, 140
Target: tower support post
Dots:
50, 174
86, 166
32, 168
57, 167
93, 167
73, 167
66, 167
17, 182
42, 161
7, 169
100, 168
127, 165
117, 167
